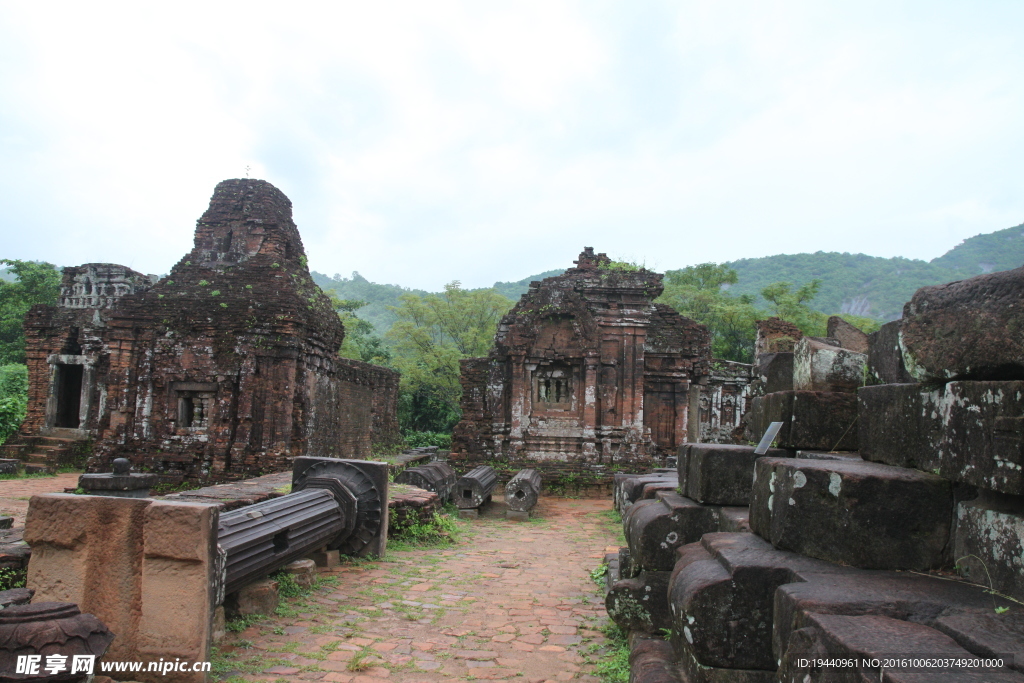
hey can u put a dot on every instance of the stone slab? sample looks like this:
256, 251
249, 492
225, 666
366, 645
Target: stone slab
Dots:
989, 542
517, 515
863, 514
736, 602
639, 604
469, 513
720, 474
863, 638
848, 336
812, 420
969, 432
818, 366
970, 329
775, 371
885, 357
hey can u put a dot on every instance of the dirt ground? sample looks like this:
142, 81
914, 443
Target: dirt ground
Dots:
14, 493
512, 601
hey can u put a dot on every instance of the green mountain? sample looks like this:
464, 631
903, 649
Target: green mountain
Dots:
878, 287
870, 286
378, 297
514, 290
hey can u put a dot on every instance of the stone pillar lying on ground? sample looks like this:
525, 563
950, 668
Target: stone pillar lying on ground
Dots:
522, 492
147, 569
474, 487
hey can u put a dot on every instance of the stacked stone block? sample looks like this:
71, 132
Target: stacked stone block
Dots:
850, 555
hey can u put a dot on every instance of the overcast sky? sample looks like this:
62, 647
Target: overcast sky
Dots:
429, 141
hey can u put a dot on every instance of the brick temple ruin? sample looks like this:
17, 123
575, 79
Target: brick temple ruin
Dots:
227, 367
587, 373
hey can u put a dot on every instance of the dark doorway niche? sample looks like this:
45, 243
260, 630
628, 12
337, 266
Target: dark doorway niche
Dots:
69, 395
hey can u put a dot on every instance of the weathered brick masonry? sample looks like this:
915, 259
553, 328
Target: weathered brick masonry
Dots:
587, 376
227, 367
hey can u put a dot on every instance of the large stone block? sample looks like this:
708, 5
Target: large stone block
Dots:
860, 640
971, 329
848, 336
818, 366
719, 474
639, 604
858, 513
885, 357
148, 569
983, 434
898, 425
969, 432
721, 599
812, 420
736, 603
655, 528
651, 661
989, 542
628, 488
775, 371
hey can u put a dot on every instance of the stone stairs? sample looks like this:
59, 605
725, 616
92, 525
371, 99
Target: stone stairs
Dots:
43, 454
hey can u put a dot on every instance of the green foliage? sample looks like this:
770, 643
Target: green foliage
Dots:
794, 307
288, 588
598, 574
379, 298
361, 339
699, 292
878, 287
620, 266
13, 398
12, 578
614, 666
419, 439
440, 531
431, 334
241, 623
35, 283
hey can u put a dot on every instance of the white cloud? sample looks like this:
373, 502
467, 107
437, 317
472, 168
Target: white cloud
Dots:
425, 142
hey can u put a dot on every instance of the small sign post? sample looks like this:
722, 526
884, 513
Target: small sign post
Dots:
769, 436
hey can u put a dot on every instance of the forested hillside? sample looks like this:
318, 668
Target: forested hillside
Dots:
878, 287
378, 297
858, 284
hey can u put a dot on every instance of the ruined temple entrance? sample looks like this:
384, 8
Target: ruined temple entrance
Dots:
69, 395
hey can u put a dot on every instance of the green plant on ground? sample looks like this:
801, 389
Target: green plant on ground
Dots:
239, 624
598, 573
12, 578
613, 665
441, 531
358, 662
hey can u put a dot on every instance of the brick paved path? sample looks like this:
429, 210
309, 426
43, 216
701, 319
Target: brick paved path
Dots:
14, 493
512, 601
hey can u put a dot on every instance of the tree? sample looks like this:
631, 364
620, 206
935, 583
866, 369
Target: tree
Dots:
361, 339
795, 307
13, 398
36, 283
700, 292
432, 333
